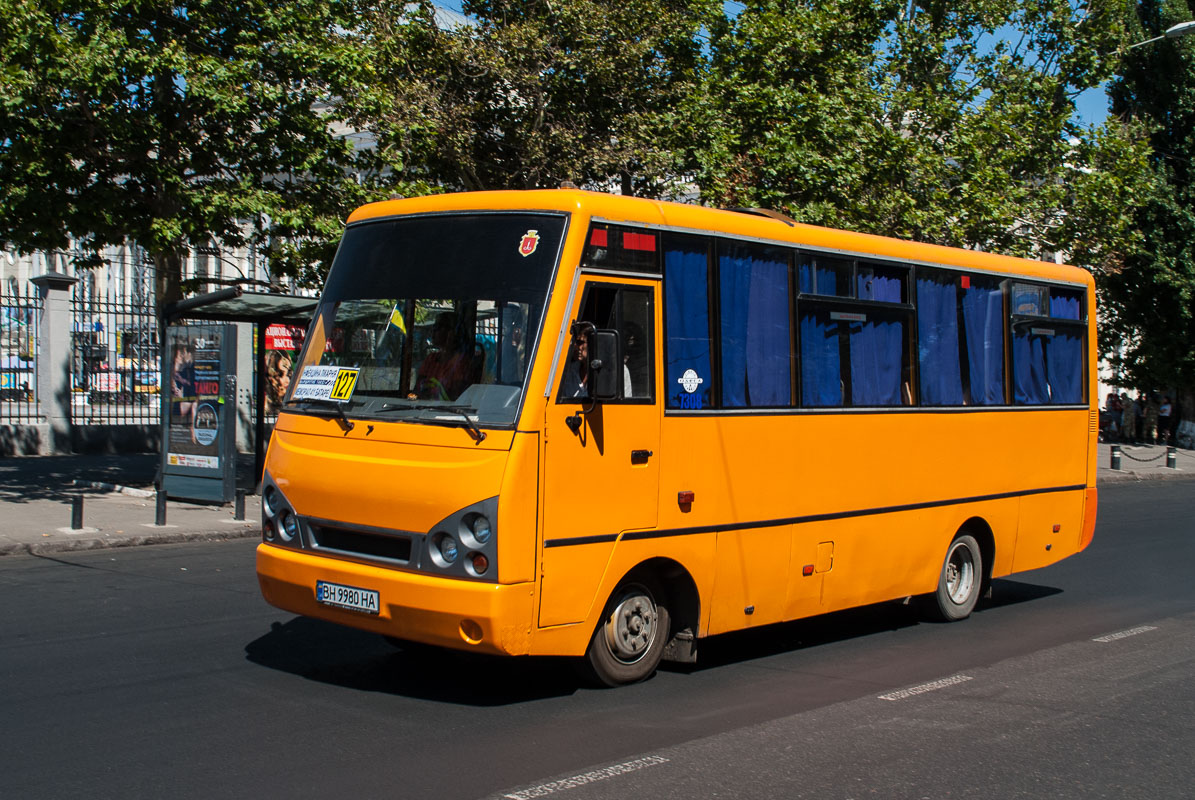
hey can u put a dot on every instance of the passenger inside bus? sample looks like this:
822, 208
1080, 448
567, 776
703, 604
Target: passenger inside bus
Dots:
576, 370
445, 372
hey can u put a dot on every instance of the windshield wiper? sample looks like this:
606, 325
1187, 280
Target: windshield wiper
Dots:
342, 418
474, 431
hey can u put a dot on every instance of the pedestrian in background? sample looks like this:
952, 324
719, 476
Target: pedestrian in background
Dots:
1139, 416
1112, 411
1128, 418
1165, 429
1150, 431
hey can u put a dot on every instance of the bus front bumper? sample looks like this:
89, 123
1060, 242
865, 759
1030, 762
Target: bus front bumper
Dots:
448, 612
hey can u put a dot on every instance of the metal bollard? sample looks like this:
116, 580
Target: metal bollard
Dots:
1172, 457
1115, 457
160, 516
239, 510
76, 512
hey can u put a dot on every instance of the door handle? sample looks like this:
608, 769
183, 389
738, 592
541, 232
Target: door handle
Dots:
640, 456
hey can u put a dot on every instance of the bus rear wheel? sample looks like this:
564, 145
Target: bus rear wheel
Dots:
630, 639
960, 580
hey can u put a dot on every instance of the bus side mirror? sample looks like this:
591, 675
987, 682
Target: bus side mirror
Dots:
604, 361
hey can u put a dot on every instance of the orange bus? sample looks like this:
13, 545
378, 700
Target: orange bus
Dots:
568, 423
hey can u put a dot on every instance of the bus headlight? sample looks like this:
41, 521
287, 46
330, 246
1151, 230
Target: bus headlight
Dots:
480, 529
270, 500
288, 526
444, 549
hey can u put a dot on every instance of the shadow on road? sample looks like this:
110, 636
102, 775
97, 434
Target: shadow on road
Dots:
321, 651
784, 637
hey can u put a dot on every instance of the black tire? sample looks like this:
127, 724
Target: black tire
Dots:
629, 640
960, 580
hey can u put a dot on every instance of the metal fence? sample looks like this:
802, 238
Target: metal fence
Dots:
116, 363
20, 314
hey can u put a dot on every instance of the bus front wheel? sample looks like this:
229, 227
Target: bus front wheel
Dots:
630, 639
960, 579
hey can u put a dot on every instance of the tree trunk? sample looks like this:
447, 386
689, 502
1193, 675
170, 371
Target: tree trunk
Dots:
168, 273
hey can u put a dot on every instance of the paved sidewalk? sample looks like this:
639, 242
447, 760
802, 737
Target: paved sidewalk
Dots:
119, 506
1143, 462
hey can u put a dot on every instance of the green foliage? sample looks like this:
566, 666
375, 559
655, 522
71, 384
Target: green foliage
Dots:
176, 123
538, 92
1151, 300
939, 121
173, 124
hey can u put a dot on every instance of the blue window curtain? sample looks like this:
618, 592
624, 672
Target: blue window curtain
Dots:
821, 276
754, 328
876, 347
821, 371
1064, 352
1030, 385
1064, 360
983, 323
686, 306
938, 341
1064, 305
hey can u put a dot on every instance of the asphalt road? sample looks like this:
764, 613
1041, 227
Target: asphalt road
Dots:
159, 672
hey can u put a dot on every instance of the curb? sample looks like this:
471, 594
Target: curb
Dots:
1128, 475
57, 545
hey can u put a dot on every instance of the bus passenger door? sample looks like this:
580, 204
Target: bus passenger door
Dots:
601, 458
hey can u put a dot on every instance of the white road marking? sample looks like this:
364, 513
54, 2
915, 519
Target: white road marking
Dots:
1112, 637
926, 687
545, 789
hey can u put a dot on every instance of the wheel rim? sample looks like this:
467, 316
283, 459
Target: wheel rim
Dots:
631, 627
960, 573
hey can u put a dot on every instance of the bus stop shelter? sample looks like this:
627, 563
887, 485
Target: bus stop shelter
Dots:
261, 309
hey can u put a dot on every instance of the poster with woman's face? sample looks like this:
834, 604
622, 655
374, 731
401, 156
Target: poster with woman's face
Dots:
283, 343
193, 381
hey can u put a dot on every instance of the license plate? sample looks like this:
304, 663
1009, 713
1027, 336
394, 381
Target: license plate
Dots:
350, 597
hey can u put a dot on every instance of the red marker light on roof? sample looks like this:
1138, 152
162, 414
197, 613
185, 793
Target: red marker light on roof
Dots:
966, 281
598, 237
639, 241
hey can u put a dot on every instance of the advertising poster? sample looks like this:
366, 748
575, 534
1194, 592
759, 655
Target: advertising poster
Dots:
283, 343
194, 380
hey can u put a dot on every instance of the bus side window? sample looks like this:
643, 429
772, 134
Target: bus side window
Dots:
628, 311
635, 332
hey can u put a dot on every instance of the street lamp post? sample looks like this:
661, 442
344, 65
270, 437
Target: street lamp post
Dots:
1173, 32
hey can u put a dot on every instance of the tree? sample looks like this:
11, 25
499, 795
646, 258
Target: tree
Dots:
1151, 300
536, 92
177, 123
938, 121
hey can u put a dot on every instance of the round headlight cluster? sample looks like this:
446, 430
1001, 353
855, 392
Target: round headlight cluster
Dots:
278, 519
464, 545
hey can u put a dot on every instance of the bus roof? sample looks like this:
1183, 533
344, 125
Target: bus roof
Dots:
701, 219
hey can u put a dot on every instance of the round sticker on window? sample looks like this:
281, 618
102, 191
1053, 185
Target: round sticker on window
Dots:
690, 381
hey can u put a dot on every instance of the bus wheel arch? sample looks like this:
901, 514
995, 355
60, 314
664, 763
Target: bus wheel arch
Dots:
981, 531
650, 615
964, 575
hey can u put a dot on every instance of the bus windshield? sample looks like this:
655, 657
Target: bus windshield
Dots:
431, 318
